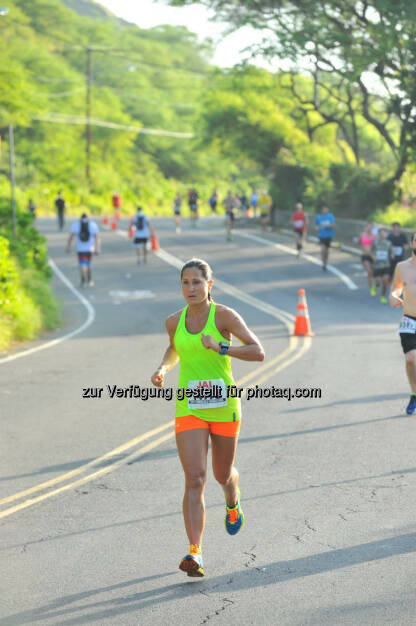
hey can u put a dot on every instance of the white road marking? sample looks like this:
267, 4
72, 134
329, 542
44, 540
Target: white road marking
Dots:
282, 316
136, 294
279, 314
345, 279
77, 331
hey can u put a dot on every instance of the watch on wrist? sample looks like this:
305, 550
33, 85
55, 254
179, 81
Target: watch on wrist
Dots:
224, 347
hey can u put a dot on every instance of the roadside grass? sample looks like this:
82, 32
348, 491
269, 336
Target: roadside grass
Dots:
27, 306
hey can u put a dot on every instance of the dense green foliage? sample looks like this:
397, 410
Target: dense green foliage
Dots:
145, 79
360, 57
26, 303
250, 127
340, 131
362, 52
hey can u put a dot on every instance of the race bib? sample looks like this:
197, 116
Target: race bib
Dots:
298, 223
407, 325
207, 394
382, 255
398, 250
326, 224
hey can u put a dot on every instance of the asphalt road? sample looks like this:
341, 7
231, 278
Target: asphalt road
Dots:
327, 484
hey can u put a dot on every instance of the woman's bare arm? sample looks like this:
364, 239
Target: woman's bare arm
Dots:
170, 358
229, 322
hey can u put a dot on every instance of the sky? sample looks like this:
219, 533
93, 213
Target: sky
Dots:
146, 13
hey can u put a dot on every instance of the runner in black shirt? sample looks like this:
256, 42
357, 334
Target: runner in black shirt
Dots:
399, 242
60, 207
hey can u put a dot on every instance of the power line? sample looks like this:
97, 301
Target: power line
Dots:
62, 118
58, 94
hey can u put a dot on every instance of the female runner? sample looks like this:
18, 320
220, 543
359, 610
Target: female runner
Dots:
366, 241
200, 338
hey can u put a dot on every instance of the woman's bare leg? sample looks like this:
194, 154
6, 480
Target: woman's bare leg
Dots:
193, 449
223, 455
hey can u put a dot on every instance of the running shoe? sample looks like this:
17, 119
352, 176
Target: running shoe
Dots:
234, 517
411, 407
373, 290
383, 300
192, 563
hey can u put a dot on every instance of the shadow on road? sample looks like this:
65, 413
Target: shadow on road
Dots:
77, 609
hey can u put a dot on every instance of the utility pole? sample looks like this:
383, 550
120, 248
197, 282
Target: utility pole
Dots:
88, 116
12, 180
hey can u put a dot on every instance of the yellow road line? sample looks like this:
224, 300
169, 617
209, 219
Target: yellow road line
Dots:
307, 343
279, 314
291, 348
131, 457
86, 479
79, 470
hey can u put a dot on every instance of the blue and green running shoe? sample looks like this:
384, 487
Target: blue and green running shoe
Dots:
411, 407
192, 563
234, 517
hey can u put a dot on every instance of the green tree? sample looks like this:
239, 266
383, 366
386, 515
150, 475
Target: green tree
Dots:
366, 46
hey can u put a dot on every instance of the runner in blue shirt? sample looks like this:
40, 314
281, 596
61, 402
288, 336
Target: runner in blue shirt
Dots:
325, 223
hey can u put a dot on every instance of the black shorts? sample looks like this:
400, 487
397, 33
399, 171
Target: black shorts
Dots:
299, 231
84, 258
383, 271
193, 207
393, 264
230, 216
367, 257
408, 340
140, 240
325, 241
176, 212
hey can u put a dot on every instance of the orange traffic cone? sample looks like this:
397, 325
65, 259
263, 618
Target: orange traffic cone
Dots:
302, 322
113, 225
105, 220
155, 242
132, 230
117, 215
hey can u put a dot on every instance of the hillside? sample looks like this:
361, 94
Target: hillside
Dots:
99, 104
89, 8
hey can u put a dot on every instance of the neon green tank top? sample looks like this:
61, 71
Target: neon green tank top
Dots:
202, 369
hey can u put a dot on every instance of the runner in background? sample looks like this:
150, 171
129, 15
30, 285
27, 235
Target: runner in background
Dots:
60, 208
325, 223
143, 231
299, 221
177, 212
237, 204
229, 205
116, 201
399, 242
87, 242
403, 293
31, 207
193, 206
366, 240
213, 201
382, 252
244, 203
254, 199
265, 204
200, 338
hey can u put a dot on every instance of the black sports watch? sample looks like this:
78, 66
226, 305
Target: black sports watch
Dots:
224, 347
